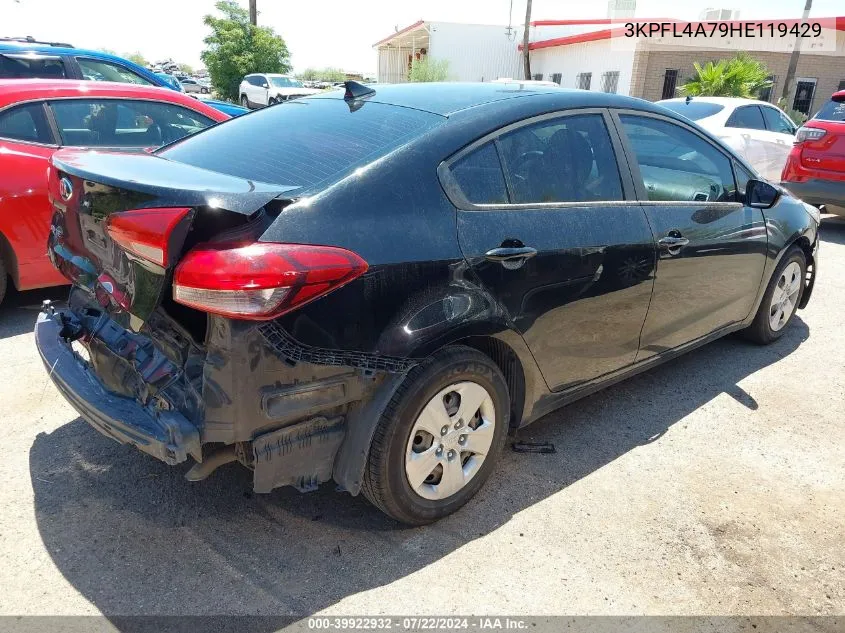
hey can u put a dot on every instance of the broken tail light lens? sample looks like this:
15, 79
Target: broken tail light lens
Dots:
262, 280
146, 232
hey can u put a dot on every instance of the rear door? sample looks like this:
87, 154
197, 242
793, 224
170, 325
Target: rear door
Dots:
551, 228
712, 248
761, 147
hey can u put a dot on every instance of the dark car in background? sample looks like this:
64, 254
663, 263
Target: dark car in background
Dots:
815, 169
27, 58
376, 286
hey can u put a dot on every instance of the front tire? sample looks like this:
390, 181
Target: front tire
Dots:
781, 300
439, 437
244, 102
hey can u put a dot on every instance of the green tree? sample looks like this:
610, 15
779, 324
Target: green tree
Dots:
236, 48
427, 69
137, 58
741, 76
187, 69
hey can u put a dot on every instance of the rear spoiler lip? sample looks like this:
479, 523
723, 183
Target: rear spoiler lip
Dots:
168, 182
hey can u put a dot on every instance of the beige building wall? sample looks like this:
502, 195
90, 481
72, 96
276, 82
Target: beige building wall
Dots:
651, 62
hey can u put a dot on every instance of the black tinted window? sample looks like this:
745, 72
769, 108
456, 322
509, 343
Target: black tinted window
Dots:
124, 122
25, 123
776, 121
693, 110
569, 159
832, 111
748, 117
307, 142
677, 165
480, 176
23, 67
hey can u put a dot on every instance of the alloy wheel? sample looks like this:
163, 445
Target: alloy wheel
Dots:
785, 296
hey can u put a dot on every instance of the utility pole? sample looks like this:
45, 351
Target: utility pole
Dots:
525, 59
253, 13
793, 60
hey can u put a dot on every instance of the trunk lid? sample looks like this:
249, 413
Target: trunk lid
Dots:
87, 188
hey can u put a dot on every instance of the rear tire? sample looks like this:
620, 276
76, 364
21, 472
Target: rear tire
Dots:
439, 437
781, 300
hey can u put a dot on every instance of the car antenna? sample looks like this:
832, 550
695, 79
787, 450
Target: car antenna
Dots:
688, 99
354, 91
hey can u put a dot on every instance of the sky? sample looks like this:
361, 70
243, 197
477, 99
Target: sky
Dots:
320, 33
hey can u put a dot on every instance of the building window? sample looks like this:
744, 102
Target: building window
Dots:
583, 80
670, 82
558, 77
841, 85
610, 81
538, 77
767, 92
805, 90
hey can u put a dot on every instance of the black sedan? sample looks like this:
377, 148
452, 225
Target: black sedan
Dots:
376, 286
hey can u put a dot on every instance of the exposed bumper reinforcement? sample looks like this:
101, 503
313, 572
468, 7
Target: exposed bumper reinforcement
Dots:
166, 435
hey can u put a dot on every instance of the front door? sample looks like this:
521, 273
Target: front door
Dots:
711, 248
559, 240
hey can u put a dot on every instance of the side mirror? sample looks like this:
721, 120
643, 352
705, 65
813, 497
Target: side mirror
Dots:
760, 194
265, 85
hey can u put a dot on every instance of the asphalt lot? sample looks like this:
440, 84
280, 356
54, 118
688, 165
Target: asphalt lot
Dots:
714, 484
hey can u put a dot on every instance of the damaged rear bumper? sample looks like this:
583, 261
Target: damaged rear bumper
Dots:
166, 435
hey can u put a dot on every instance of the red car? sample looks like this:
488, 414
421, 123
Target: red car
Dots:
37, 117
815, 169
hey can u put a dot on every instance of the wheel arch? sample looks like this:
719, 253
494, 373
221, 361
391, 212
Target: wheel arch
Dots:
9, 259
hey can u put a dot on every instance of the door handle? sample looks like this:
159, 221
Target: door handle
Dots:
509, 253
673, 241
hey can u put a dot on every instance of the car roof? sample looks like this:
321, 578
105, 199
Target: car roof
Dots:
732, 102
16, 90
449, 97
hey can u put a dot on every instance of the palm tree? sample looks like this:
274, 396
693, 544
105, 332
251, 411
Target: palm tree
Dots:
742, 76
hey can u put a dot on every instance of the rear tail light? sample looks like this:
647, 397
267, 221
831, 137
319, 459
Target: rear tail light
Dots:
146, 232
809, 134
262, 280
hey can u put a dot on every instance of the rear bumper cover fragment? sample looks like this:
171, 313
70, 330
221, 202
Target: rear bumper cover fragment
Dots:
166, 435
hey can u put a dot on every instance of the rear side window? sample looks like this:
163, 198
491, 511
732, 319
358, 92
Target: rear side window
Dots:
98, 70
677, 165
479, 175
25, 123
22, 66
570, 159
832, 111
748, 117
124, 122
305, 143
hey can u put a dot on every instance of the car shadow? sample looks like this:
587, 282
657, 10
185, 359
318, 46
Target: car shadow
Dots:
134, 537
833, 230
20, 309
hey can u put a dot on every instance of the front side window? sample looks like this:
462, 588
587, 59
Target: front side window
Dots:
98, 70
258, 81
677, 165
777, 121
569, 159
124, 122
479, 175
747, 117
25, 123
23, 66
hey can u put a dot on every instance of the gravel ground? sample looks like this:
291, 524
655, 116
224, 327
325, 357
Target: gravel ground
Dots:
714, 484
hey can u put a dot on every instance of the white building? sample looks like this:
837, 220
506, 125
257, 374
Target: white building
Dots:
474, 52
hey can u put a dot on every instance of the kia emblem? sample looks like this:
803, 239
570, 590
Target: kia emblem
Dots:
65, 188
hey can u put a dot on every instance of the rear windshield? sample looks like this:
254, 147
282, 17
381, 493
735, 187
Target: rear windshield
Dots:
693, 110
832, 111
305, 143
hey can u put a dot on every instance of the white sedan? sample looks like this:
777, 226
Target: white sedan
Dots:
760, 132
